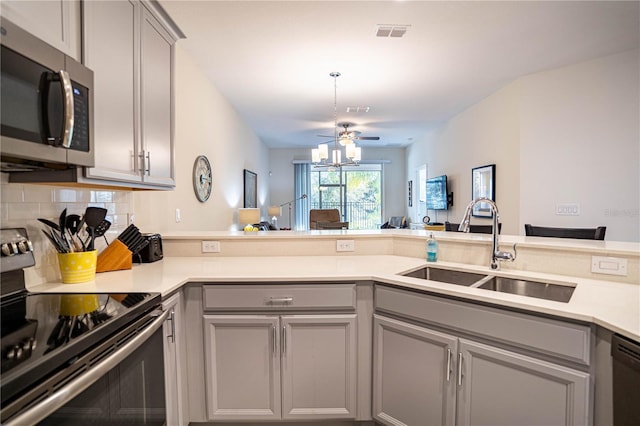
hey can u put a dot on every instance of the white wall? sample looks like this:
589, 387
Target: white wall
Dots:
580, 143
486, 133
394, 172
568, 135
206, 124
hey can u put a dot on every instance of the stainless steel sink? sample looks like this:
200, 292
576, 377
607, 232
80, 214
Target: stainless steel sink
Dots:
555, 292
541, 290
449, 276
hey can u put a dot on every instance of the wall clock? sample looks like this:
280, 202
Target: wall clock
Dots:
202, 178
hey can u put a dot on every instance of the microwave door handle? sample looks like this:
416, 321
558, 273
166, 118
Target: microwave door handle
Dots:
68, 111
45, 122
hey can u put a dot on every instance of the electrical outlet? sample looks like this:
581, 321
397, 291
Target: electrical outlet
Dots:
345, 245
568, 209
211, 247
609, 265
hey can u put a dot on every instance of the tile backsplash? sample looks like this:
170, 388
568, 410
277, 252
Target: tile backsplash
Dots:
22, 204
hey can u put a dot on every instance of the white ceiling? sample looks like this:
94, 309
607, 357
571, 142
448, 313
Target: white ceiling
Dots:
272, 59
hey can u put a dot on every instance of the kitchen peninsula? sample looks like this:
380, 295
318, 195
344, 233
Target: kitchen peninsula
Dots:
214, 287
382, 255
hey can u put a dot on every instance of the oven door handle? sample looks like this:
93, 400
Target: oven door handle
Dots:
49, 405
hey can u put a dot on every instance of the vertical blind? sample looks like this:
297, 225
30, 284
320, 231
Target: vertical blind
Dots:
302, 186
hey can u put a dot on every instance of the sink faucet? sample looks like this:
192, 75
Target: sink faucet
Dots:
496, 254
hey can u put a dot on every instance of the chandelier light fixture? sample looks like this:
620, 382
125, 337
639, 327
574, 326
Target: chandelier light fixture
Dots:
353, 154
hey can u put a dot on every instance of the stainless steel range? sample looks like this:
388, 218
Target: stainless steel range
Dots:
76, 358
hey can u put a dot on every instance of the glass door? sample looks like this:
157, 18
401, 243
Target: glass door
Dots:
355, 191
331, 196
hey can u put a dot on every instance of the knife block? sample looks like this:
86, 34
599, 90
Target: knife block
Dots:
115, 257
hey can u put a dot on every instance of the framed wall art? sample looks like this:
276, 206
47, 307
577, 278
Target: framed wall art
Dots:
250, 189
483, 184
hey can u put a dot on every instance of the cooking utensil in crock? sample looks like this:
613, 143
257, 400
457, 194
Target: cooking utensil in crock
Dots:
92, 218
102, 229
74, 224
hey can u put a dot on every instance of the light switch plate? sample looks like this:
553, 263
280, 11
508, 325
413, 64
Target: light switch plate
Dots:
568, 209
609, 265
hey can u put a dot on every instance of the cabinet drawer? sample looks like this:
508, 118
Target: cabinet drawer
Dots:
268, 297
539, 334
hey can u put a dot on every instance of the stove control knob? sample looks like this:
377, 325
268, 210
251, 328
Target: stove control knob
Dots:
14, 353
25, 246
29, 345
6, 249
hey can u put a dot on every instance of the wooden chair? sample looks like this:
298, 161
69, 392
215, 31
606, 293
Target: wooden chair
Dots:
332, 225
323, 215
579, 233
476, 229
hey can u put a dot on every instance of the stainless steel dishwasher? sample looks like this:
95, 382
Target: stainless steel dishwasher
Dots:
626, 381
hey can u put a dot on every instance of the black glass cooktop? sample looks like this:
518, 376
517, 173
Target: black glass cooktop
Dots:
42, 333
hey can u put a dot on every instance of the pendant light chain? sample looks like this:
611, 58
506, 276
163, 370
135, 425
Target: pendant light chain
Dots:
335, 76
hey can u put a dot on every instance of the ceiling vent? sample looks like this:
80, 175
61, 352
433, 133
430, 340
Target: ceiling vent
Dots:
356, 109
391, 30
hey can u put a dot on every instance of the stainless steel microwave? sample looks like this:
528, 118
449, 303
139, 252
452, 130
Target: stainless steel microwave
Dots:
46, 107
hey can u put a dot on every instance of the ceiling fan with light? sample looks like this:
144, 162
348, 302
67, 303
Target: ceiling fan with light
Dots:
347, 136
320, 155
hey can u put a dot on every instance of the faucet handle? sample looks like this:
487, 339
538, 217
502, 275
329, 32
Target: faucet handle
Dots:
505, 255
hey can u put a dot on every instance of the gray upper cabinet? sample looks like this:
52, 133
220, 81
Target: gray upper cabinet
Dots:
155, 102
112, 51
56, 22
130, 49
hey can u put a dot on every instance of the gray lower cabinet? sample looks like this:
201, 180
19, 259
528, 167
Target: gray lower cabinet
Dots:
413, 380
242, 367
174, 363
500, 387
271, 367
424, 377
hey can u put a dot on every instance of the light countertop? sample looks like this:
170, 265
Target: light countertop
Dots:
615, 306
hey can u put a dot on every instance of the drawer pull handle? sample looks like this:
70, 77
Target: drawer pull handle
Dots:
448, 364
280, 300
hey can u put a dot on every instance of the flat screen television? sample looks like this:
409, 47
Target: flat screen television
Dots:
437, 193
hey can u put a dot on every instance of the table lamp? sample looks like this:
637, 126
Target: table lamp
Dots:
247, 217
275, 211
